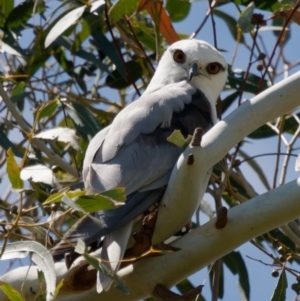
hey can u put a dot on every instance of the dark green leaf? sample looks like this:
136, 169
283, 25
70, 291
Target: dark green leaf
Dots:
115, 80
10, 292
236, 81
178, 9
280, 290
13, 171
94, 203
5, 8
231, 23
245, 18
236, 265
280, 236
19, 15
84, 121
48, 109
109, 49
265, 5
64, 23
90, 57
290, 126
116, 194
184, 286
6, 144
145, 34
18, 93
121, 8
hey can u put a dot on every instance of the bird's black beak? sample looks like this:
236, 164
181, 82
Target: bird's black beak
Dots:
193, 71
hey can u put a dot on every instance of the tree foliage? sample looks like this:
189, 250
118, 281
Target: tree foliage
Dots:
68, 67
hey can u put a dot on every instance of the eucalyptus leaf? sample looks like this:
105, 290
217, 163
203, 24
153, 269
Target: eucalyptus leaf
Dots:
245, 18
38, 173
121, 8
63, 24
13, 171
11, 293
279, 293
41, 257
65, 135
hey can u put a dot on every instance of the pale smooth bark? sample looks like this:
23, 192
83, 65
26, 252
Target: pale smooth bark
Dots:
187, 185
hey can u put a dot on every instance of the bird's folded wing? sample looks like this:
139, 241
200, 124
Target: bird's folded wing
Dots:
91, 229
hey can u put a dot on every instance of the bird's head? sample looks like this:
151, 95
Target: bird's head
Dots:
193, 60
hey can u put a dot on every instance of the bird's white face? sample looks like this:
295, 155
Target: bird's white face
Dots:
178, 60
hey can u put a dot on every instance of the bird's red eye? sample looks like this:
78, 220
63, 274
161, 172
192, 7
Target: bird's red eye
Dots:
213, 68
179, 56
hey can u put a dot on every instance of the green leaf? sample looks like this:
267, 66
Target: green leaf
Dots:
64, 23
94, 203
116, 194
116, 81
105, 269
18, 93
109, 49
13, 170
121, 8
19, 15
70, 203
290, 126
87, 126
10, 292
265, 5
54, 198
7, 144
236, 81
90, 57
236, 265
178, 9
178, 139
5, 8
280, 290
245, 18
184, 286
58, 287
231, 23
48, 109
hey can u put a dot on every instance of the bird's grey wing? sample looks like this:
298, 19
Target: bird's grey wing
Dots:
90, 229
146, 161
144, 115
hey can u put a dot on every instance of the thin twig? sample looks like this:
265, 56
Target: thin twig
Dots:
288, 19
38, 143
139, 43
128, 74
213, 23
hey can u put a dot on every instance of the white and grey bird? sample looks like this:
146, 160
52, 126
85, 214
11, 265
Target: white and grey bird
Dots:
133, 152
